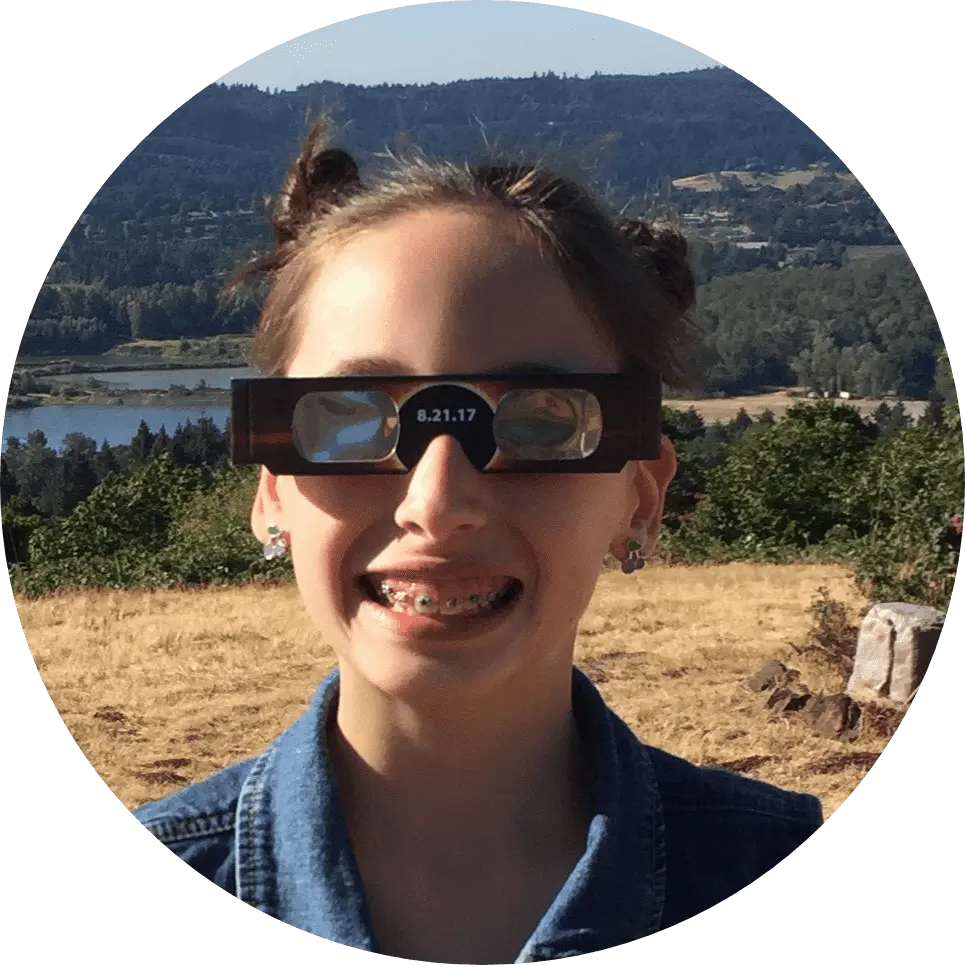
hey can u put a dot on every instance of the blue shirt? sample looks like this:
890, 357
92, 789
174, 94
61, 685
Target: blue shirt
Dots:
666, 839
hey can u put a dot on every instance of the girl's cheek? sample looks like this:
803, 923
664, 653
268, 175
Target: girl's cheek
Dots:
345, 497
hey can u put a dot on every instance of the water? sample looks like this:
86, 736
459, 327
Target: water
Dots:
152, 379
115, 423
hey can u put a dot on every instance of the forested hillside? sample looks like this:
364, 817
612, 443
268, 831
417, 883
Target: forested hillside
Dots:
779, 229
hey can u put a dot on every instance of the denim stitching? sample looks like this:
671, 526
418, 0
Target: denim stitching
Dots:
172, 830
248, 800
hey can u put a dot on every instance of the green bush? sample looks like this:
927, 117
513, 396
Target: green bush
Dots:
818, 486
211, 540
160, 525
784, 485
128, 512
913, 486
832, 636
19, 525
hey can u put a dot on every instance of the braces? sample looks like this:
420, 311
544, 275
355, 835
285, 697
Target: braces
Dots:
426, 604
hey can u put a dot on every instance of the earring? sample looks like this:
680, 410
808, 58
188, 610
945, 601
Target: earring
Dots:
634, 560
275, 547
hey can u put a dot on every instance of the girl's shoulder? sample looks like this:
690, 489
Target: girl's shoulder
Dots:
687, 787
198, 823
722, 831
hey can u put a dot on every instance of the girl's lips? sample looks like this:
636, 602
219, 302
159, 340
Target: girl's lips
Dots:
436, 626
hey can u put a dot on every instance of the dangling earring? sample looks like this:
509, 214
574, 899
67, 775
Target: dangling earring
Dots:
275, 547
634, 560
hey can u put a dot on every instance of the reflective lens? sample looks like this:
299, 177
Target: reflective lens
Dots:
548, 424
345, 426
540, 424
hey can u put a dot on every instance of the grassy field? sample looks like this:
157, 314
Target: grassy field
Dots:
235, 348
713, 181
723, 410
162, 688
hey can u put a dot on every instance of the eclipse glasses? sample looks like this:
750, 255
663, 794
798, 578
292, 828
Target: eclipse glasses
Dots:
382, 425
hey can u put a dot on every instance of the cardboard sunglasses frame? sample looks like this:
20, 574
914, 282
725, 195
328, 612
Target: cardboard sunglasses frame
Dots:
262, 411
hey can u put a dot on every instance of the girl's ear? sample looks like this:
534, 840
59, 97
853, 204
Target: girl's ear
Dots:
650, 481
663, 469
266, 510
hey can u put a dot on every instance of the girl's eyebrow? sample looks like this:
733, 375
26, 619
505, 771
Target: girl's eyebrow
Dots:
375, 365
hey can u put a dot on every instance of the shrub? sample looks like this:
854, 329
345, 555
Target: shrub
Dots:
129, 511
832, 636
913, 486
785, 485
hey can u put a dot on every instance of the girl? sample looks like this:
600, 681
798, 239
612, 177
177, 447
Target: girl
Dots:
462, 417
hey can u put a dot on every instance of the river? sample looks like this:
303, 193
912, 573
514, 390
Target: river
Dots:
118, 423
115, 423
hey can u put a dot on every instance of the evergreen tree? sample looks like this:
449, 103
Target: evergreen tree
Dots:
105, 462
142, 443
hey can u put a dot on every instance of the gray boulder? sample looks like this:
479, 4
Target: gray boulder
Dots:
896, 642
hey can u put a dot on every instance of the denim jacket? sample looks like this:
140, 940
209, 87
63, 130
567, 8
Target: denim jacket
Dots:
666, 839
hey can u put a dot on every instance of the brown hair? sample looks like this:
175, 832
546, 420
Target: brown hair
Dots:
630, 276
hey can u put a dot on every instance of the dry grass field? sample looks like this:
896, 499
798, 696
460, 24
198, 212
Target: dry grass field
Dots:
723, 410
162, 688
752, 179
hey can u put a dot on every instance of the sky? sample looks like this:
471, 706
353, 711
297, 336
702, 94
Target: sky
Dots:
466, 39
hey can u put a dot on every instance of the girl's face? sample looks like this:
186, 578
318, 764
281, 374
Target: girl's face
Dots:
430, 293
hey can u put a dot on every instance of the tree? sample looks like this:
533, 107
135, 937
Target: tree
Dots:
891, 419
35, 467
8, 482
79, 472
788, 483
142, 443
161, 444
913, 487
944, 381
127, 514
105, 462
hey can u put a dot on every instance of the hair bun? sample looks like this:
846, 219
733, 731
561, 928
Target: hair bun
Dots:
662, 246
332, 171
319, 177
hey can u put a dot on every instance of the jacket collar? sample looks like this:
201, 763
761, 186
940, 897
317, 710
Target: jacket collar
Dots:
294, 858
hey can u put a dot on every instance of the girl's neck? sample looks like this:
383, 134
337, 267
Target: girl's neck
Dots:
501, 770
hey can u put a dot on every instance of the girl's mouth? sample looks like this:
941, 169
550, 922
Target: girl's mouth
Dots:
440, 598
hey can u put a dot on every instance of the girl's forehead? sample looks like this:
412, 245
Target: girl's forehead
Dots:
445, 290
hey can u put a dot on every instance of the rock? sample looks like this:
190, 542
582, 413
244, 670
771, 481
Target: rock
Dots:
772, 674
895, 645
835, 716
785, 701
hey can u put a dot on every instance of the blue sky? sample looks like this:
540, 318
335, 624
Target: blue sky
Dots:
439, 42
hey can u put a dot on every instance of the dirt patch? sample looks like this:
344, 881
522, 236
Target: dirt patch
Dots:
596, 669
881, 720
110, 715
743, 765
836, 763
161, 777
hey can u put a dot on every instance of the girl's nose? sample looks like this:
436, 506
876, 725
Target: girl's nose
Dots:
445, 494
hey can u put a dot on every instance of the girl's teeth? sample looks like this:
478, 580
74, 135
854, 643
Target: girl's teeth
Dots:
394, 595
425, 604
451, 607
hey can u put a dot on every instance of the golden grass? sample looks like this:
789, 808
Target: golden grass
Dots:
163, 687
723, 410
